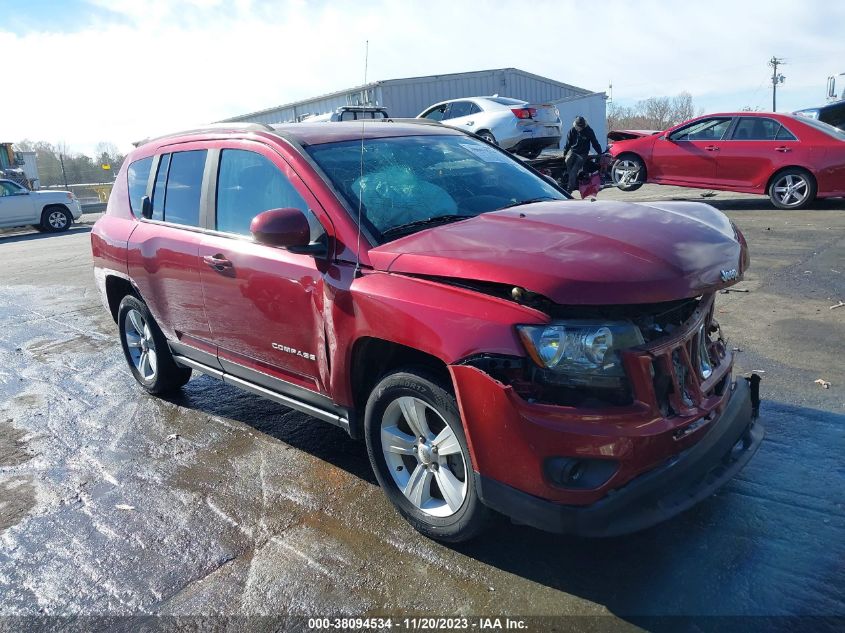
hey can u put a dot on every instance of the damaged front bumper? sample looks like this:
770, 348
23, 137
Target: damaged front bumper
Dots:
611, 469
652, 497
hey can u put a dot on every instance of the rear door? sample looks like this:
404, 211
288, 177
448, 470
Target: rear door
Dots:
16, 205
758, 147
689, 154
164, 250
264, 303
461, 114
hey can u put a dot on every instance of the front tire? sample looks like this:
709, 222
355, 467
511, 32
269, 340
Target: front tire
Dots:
145, 349
56, 219
792, 189
628, 173
418, 451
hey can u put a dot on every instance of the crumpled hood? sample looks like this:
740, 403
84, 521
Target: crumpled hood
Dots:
589, 253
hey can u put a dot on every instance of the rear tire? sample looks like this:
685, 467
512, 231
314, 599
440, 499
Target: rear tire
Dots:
792, 189
56, 219
145, 349
487, 135
418, 451
628, 168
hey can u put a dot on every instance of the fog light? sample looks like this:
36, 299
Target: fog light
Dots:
579, 474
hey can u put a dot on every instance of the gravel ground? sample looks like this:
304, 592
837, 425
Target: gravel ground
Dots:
217, 503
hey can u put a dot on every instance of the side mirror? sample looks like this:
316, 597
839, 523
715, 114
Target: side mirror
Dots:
146, 207
285, 228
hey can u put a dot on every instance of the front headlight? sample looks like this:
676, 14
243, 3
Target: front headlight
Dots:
581, 352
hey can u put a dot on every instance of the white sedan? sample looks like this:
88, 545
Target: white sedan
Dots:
517, 126
51, 211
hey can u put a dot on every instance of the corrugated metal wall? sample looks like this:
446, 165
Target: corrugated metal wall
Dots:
591, 107
323, 105
409, 97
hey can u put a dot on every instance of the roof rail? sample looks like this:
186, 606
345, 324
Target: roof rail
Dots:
211, 127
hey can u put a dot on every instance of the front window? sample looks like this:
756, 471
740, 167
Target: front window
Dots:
704, 130
437, 113
9, 188
411, 182
249, 184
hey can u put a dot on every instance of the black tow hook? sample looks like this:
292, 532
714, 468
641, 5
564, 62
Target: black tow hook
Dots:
754, 384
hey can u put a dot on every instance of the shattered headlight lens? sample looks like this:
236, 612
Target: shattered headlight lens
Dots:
581, 352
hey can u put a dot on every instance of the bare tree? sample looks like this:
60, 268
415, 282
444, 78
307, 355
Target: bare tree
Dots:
654, 113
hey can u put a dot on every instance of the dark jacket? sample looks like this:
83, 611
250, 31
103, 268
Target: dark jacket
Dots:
579, 141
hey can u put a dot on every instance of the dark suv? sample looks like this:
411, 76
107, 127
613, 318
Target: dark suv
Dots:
498, 345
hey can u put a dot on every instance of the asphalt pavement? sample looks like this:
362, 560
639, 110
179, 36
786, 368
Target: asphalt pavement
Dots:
218, 503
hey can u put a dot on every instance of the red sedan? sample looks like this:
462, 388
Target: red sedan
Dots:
792, 159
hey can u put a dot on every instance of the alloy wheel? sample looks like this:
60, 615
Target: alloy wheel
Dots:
625, 172
139, 341
791, 190
57, 220
424, 456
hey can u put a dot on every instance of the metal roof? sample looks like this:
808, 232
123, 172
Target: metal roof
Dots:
408, 80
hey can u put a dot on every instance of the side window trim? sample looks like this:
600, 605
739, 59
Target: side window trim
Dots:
163, 187
151, 179
208, 195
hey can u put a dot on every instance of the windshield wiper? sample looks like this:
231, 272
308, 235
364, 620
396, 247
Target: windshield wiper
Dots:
530, 201
419, 224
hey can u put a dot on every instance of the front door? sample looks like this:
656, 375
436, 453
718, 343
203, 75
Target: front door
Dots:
689, 154
264, 304
16, 205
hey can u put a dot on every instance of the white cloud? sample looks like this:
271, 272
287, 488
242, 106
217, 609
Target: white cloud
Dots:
141, 68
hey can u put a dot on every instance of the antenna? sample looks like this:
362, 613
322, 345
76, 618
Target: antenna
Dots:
361, 178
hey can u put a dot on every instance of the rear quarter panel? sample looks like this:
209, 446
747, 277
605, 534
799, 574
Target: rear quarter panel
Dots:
110, 234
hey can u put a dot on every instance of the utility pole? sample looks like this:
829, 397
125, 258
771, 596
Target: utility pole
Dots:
774, 62
62, 161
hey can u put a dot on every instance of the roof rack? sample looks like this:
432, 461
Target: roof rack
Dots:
211, 127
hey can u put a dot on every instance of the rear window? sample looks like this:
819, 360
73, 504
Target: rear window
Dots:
138, 174
761, 129
506, 101
824, 127
833, 115
184, 185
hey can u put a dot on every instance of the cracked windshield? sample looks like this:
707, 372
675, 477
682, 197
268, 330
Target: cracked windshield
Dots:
411, 182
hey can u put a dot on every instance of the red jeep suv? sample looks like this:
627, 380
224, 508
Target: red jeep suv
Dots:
498, 346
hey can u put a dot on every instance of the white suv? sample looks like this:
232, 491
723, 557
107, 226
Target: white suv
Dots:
51, 211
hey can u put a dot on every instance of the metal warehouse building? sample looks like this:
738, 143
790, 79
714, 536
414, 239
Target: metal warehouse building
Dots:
409, 97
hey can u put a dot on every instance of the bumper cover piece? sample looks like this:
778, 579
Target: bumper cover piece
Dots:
655, 496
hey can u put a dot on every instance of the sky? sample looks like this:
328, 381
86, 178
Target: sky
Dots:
91, 71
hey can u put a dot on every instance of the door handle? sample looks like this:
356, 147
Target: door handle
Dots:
783, 149
218, 262
470, 122
711, 148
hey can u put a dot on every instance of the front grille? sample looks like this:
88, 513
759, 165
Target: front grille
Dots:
687, 368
